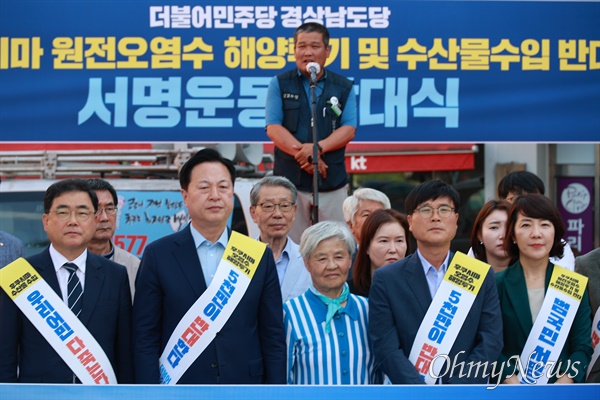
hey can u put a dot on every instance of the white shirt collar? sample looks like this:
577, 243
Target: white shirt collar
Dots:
59, 260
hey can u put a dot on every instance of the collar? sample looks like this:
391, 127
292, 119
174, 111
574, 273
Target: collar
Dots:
426, 264
287, 250
319, 309
199, 239
58, 260
111, 253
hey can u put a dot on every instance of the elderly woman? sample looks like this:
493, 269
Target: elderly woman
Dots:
533, 236
487, 237
326, 327
384, 239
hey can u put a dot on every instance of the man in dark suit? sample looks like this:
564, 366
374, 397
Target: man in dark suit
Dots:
70, 221
177, 269
402, 292
11, 248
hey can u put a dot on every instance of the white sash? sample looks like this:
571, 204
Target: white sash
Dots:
446, 315
552, 326
595, 342
56, 322
210, 312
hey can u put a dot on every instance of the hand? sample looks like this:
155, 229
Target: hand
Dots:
565, 379
304, 153
309, 167
512, 380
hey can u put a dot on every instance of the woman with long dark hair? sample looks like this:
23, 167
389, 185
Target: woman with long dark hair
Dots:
384, 240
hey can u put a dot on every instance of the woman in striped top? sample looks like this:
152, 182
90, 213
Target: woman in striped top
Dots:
326, 327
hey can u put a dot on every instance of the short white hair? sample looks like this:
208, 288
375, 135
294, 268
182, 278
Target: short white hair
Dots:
351, 203
324, 230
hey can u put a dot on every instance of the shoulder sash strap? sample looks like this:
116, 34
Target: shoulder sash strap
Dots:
552, 325
212, 310
446, 315
56, 322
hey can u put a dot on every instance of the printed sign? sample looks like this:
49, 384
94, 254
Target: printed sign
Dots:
439, 71
576, 208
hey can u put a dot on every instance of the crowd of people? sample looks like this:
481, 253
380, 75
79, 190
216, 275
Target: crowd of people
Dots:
344, 306
346, 300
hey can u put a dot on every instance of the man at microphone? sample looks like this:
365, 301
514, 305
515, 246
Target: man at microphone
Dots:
288, 124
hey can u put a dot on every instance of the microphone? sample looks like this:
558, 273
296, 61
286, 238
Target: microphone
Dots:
313, 69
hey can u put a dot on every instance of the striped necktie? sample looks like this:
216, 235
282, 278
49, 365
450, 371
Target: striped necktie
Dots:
74, 289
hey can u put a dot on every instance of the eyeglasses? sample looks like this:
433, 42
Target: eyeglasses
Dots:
64, 214
443, 211
110, 210
270, 207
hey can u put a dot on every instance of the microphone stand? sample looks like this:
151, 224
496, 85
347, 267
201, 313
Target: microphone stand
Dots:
315, 208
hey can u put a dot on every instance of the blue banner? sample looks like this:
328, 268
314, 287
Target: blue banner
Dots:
439, 71
298, 392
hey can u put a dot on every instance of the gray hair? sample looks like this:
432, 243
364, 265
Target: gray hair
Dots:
314, 235
272, 180
351, 203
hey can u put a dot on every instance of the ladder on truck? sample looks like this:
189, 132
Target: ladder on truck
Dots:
156, 163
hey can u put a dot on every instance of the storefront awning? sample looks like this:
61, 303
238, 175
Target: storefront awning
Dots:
363, 158
406, 157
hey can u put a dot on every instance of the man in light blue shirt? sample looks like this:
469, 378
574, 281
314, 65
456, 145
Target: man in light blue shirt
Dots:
273, 209
402, 292
178, 270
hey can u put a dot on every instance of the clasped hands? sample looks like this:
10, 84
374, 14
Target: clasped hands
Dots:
304, 157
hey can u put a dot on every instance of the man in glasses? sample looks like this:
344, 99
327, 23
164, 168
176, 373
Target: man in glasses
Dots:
273, 209
95, 290
402, 292
101, 243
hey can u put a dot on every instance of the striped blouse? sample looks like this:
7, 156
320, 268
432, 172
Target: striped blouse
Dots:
342, 356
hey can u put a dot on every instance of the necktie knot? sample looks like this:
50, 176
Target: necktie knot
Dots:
72, 268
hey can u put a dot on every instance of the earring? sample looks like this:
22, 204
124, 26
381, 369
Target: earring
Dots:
481, 242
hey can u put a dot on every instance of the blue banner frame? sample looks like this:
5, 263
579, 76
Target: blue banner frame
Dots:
424, 71
447, 392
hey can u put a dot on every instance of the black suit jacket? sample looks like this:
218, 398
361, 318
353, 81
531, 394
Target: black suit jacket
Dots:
398, 301
249, 349
106, 313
